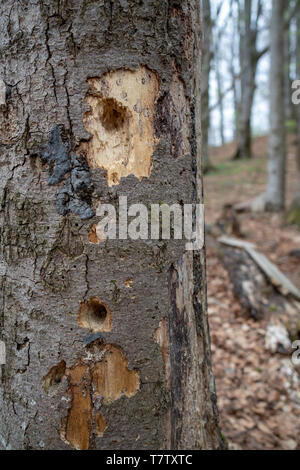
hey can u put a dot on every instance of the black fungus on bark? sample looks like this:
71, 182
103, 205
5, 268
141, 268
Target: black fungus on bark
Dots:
64, 165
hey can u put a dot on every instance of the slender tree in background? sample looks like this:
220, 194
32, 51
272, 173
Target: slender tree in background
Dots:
289, 108
294, 213
275, 194
218, 52
107, 343
232, 69
249, 57
290, 56
207, 26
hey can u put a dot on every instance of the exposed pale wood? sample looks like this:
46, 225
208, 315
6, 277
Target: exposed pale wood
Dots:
121, 119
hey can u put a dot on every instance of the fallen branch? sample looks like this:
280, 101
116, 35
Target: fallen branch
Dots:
262, 289
275, 276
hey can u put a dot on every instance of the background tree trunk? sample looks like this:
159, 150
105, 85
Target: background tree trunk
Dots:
249, 57
275, 195
107, 342
247, 82
289, 108
220, 98
233, 54
206, 67
294, 213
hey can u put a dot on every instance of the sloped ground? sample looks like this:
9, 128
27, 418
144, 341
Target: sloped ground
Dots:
258, 392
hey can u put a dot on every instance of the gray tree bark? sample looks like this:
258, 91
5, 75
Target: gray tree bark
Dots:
294, 213
249, 57
107, 343
275, 194
206, 67
220, 98
234, 48
289, 108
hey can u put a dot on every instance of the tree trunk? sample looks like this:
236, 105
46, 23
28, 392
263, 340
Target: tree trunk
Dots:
220, 99
294, 213
206, 66
107, 342
233, 54
275, 195
247, 82
248, 67
288, 105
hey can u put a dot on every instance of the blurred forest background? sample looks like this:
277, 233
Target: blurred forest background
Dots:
251, 157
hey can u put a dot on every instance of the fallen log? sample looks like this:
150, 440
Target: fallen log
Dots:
262, 289
255, 205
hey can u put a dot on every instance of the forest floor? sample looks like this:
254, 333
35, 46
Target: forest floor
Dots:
258, 391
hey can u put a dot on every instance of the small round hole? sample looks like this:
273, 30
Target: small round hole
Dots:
94, 315
97, 310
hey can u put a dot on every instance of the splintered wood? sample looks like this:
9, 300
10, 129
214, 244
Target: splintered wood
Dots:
120, 121
103, 374
77, 427
111, 377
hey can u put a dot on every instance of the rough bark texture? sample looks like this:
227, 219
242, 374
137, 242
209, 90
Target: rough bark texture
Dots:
275, 195
93, 330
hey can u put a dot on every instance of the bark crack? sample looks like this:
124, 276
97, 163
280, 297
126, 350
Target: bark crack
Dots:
48, 60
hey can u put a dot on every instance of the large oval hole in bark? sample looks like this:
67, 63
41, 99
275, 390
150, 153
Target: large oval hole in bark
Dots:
121, 123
